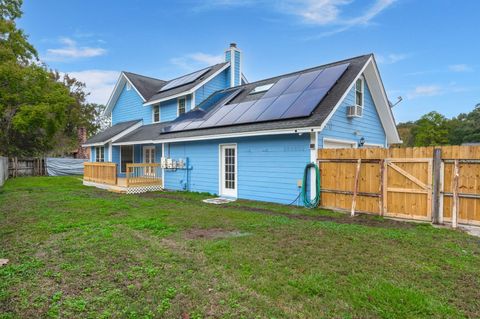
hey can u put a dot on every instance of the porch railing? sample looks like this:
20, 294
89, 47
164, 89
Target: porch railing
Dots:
144, 174
100, 172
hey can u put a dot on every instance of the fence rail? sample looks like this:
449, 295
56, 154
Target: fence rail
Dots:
143, 174
100, 172
421, 183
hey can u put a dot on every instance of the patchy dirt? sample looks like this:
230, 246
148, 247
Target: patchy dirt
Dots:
360, 219
211, 233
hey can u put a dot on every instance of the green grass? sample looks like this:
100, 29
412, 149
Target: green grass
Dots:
79, 252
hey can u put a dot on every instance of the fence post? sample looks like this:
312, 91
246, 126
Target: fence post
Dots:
355, 190
455, 200
384, 185
437, 165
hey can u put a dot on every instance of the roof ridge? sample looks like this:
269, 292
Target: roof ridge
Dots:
144, 76
302, 70
207, 67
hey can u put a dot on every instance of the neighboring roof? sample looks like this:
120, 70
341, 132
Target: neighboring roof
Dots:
147, 86
111, 132
180, 89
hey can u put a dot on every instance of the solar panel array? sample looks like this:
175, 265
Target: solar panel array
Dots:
290, 97
189, 78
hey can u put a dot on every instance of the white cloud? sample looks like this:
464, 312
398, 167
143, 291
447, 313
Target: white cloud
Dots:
99, 83
425, 90
391, 58
460, 68
196, 60
324, 13
70, 50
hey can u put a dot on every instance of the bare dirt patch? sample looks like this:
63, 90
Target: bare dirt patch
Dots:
212, 233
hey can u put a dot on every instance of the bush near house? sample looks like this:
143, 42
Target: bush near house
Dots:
78, 252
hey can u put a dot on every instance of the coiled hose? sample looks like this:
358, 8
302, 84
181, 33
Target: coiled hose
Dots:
314, 202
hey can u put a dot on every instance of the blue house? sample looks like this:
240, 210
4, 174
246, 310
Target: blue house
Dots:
212, 131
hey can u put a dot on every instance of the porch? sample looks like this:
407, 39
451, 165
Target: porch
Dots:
139, 177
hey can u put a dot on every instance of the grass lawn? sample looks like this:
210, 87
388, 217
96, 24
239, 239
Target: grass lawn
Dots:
80, 252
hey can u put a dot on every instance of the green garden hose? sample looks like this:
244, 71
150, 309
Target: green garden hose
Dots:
314, 202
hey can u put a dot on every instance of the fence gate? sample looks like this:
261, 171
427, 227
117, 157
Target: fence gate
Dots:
408, 191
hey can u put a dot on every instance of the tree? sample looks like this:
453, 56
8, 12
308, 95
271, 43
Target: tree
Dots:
32, 103
431, 129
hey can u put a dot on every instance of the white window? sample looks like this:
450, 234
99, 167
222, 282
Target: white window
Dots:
181, 106
129, 86
359, 92
126, 157
156, 113
99, 154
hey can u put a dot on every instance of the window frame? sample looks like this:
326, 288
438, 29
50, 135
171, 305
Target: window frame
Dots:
121, 161
153, 113
184, 105
362, 92
97, 152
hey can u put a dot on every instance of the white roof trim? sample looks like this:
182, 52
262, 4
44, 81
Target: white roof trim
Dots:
192, 90
119, 135
117, 90
379, 97
227, 135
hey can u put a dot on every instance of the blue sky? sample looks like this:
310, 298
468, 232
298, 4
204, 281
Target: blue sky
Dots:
428, 50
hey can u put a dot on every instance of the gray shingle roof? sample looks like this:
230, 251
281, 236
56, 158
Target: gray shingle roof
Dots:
318, 116
188, 86
144, 132
147, 86
110, 132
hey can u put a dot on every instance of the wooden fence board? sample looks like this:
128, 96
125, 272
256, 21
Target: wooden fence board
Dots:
406, 197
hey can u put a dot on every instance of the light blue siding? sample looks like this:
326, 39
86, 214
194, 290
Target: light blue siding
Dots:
169, 109
368, 126
219, 82
228, 58
268, 166
137, 155
237, 68
129, 107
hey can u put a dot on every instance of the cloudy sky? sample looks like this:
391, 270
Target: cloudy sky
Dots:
428, 50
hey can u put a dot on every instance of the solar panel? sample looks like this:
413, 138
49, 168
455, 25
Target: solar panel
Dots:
302, 82
253, 112
278, 107
328, 77
239, 110
218, 115
290, 97
280, 86
184, 80
306, 103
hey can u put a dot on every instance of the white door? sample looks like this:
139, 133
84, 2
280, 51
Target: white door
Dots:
327, 143
148, 158
228, 170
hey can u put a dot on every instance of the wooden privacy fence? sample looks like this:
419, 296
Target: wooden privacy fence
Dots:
100, 172
27, 167
439, 184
